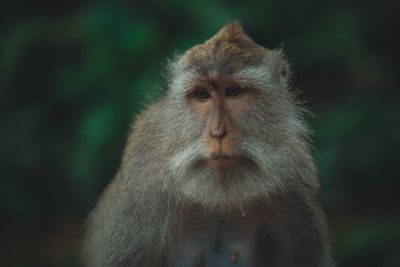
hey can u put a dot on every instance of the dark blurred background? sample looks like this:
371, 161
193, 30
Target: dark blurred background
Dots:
73, 73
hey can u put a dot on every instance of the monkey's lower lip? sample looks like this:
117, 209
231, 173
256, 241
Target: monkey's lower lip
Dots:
222, 161
222, 164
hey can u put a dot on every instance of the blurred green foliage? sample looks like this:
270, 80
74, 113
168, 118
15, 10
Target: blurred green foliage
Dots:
73, 73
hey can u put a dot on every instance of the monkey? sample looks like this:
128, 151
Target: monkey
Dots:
218, 171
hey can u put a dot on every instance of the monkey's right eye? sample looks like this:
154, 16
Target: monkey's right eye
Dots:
201, 95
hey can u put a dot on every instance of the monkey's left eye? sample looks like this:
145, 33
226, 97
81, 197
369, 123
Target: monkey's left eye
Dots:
201, 94
234, 92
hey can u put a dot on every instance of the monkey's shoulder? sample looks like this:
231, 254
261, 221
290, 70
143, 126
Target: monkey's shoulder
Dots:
145, 131
147, 118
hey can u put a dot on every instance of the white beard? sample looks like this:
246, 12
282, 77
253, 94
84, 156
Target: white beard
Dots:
257, 176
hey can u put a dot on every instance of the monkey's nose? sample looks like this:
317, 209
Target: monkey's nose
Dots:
219, 133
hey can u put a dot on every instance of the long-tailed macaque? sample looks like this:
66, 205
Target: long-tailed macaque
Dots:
218, 172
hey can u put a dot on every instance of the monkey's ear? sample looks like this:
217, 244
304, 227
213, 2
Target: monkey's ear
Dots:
280, 66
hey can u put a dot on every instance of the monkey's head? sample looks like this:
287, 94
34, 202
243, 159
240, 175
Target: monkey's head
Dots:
237, 130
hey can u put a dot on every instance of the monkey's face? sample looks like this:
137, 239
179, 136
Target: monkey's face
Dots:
237, 130
219, 103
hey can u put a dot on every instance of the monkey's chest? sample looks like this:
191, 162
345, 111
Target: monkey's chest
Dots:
216, 244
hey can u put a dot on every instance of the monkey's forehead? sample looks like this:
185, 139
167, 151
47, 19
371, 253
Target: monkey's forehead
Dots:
229, 49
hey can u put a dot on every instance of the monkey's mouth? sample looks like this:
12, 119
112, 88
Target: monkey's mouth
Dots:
221, 156
223, 161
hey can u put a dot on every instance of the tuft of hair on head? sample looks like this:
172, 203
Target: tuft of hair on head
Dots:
229, 49
231, 32
232, 41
